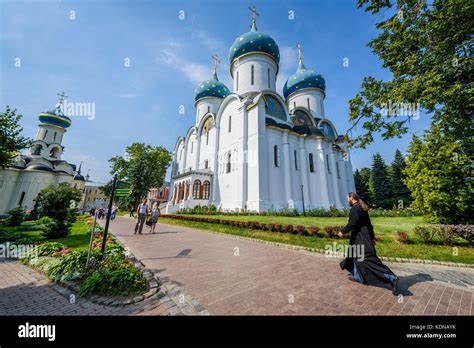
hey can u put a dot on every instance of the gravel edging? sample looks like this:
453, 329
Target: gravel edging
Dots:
331, 253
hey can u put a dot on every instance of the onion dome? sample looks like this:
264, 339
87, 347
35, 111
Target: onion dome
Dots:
78, 175
303, 79
55, 118
254, 42
211, 88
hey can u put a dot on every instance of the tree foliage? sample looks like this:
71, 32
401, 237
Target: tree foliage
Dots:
439, 176
55, 201
362, 184
400, 190
428, 49
11, 141
380, 181
143, 167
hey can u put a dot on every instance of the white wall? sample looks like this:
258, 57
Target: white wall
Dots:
243, 68
316, 101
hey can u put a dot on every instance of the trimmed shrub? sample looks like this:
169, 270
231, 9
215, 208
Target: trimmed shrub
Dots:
289, 229
15, 217
300, 229
426, 233
463, 231
403, 237
314, 230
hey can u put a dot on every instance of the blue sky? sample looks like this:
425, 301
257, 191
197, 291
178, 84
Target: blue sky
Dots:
85, 56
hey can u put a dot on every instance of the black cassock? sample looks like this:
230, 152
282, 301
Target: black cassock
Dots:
370, 267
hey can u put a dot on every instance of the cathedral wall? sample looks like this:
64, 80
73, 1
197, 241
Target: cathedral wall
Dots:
191, 150
206, 105
229, 157
207, 149
180, 158
264, 73
8, 179
315, 99
295, 174
276, 174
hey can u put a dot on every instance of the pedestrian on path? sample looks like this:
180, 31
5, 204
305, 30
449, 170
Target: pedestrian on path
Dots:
142, 212
155, 213
362, 260
132, 210
114, 212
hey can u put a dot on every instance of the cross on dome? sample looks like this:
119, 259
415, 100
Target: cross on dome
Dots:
300, 57
59, 104
253, 9
215, 60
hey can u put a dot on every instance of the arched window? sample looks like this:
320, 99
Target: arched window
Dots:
296, 160
206, 189
274, 108
37, 149
229, 163
311, 163
230, 123
252, 73
196, 189
276, 156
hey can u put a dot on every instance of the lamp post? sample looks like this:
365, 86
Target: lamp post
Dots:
106, 228
302, 199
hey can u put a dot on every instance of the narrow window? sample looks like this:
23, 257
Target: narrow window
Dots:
311, 163
296, 160
192, 146
208, 108
206, 189
54, 137
237, 79
45, 134
309, 108
327, 164
206, 164
180, 154
337, 170
294, 105
268, 73
207, 138
276, 156
230, 123
229, 162
321, 106
22, 197
252, 75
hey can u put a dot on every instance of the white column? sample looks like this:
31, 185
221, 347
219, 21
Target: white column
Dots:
332, 160
304, 169
286, 166
198, 152
216, 162
244, 156
323, 181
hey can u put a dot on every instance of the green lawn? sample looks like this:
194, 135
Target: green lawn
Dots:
77, 239
385, 227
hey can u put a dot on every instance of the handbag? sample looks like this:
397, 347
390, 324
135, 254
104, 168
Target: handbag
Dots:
148, 222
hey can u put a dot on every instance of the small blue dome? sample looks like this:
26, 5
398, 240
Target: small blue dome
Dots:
254, 41
211, 88
55, 118
303, 78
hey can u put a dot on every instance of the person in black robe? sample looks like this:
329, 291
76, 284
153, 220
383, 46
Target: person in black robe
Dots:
362, 260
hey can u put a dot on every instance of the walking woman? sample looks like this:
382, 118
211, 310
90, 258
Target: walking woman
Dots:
155, 213
367, 267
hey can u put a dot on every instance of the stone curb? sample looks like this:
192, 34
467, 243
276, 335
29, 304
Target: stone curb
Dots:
331, 253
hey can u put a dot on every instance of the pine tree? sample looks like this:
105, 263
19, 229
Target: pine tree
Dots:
362, 184
380, 182
400, 190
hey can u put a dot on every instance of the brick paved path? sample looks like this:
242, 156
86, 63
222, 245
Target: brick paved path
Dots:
24, 291
235, 276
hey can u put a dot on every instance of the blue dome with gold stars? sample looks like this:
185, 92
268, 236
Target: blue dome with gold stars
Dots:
303, 78
55, 118
254, 42
211, 88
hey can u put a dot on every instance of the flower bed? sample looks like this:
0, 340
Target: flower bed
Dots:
328, 231
114, 274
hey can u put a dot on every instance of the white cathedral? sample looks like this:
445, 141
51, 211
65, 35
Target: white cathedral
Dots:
253, 150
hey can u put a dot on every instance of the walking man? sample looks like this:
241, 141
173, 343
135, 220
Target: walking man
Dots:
142, 212
366, 268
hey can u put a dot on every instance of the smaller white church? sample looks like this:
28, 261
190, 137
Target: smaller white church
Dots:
41, 166
252, 149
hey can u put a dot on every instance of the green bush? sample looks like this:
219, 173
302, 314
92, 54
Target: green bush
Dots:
70, 267
426, 233
116, 282
55, 229
15, 217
